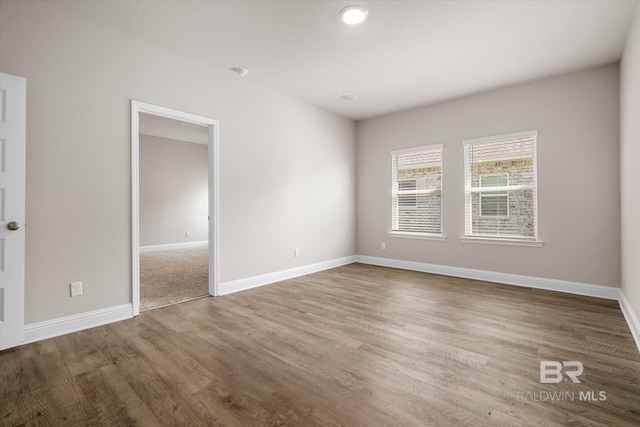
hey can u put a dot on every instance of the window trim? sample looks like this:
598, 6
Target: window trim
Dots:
489, 240
416, 234
503, 137
504, 240
416, 149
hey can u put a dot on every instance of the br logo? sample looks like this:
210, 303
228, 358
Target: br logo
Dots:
551, 371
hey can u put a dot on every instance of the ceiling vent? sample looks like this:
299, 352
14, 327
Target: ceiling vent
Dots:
346, 96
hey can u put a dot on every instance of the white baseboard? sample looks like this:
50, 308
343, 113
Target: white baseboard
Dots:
174, 246
265, 279
598, 291
630, 317
64, 325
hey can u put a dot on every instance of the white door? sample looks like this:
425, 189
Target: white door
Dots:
13, 108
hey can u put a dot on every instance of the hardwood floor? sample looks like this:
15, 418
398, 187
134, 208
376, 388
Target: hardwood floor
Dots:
352, 346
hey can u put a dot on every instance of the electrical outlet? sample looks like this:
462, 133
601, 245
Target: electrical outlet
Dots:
76, 289
188, 234
383, 245
296, 252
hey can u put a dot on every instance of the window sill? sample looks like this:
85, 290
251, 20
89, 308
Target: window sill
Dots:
507, 242
423, 236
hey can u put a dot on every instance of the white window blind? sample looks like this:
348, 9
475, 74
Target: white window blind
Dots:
494, 203
501, 186
417, 190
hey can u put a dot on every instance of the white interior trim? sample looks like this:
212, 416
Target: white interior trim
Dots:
265, 279
585, 289
418, 149
170, 246
138, 107
64, 325
507, 242
630, 317
423, 236
504, 137
597, 291
214, 208
77, 322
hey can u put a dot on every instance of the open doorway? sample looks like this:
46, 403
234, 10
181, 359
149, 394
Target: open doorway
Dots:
174, 210
174, 206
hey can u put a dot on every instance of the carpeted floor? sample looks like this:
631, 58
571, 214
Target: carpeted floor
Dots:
169, 277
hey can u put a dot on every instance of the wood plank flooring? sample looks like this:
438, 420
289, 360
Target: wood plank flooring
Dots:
352, 346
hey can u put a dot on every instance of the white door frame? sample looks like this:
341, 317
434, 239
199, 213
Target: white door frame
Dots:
138, 107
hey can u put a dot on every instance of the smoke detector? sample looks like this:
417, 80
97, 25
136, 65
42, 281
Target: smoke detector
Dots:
242, 72
346, 96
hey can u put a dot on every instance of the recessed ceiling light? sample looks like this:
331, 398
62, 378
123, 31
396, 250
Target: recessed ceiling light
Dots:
353, 15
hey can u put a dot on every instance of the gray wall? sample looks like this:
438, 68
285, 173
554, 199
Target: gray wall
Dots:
629, 165
287, 170
174, 189
578, 159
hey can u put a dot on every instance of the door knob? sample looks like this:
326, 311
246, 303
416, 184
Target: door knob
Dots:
13, 226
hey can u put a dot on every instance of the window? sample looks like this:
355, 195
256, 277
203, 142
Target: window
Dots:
494, 203
409, 197
506, 165
417, 192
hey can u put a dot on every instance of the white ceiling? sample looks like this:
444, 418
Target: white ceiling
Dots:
407, 53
